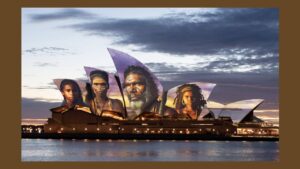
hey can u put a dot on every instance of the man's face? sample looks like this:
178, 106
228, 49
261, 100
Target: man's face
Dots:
68, 93
188, 98
99, 85
135, 87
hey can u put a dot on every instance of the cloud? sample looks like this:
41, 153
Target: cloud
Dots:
225, 64
62, 14
35, 108
243, 31
47, 50
44, 64
41, 87
251, 64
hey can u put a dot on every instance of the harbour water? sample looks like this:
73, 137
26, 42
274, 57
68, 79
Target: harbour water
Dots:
147, 150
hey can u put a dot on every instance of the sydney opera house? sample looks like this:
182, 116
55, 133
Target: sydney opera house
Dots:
132, 104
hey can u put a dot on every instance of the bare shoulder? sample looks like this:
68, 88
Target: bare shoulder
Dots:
116, 102
170, 111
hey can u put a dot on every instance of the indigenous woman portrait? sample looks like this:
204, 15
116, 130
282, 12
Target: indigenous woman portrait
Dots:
189, 101
72, 94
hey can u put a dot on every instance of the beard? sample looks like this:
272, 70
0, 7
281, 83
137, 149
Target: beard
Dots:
136, 107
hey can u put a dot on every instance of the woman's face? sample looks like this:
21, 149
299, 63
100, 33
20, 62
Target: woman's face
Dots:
187, 98
68, 93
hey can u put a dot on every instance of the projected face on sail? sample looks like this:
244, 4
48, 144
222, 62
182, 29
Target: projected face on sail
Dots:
189, 99
141, 88
103, 93
71, 91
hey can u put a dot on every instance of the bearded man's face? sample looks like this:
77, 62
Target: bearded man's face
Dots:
135, 87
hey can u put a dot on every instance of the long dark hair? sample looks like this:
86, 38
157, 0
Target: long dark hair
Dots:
75, 87
198, 99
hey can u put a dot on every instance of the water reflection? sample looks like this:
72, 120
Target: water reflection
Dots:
147, 150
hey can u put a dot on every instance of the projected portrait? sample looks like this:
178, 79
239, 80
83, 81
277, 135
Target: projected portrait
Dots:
189, 100
71, 91
97, 95
142, 94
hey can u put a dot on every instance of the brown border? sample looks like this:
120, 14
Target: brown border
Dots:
11, 60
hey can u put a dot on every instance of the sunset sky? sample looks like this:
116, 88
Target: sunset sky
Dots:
236, 48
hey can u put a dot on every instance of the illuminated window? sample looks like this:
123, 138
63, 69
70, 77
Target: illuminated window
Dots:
85, 129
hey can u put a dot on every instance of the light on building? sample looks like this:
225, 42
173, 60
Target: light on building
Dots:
85, 129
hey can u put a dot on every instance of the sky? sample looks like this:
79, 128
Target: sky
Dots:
236, 48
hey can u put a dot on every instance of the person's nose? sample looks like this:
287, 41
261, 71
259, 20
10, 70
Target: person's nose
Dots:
132, 88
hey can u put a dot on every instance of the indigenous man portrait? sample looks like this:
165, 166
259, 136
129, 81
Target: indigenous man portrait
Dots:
97, 98
142, 93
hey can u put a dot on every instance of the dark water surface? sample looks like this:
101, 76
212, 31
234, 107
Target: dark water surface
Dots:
147, 150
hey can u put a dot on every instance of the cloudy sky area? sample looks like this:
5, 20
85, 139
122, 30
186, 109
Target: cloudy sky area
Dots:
235, 48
